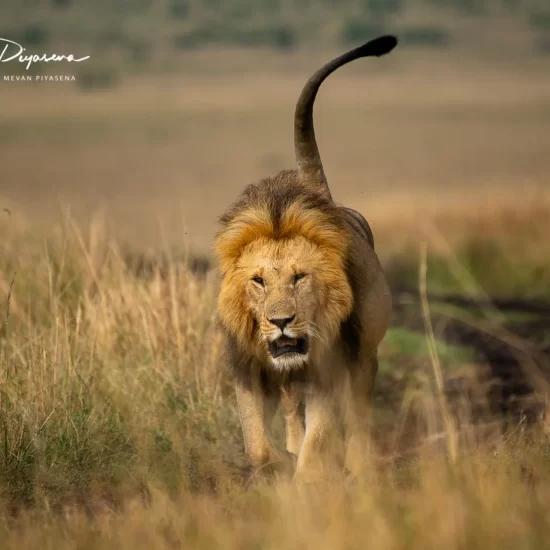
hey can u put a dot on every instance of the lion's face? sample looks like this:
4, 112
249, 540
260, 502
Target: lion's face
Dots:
293, 296
282, 296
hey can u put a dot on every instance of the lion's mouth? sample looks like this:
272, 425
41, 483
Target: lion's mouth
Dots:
284, 344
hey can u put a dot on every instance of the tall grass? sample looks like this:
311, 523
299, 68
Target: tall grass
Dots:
105, 377
118, 427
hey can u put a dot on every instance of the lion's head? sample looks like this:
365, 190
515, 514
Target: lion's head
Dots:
284, 290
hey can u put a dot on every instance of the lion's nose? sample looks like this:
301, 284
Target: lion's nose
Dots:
283, 322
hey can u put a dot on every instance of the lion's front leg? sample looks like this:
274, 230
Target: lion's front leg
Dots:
321, 452
358, 403
256, 410
291, 403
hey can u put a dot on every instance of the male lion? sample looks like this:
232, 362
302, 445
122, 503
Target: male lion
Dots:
304, 304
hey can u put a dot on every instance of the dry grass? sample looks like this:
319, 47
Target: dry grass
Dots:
484, 502
98, 367
118, 427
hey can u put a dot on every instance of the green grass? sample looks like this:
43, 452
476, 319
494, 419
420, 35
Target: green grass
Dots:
479, 266
401, 343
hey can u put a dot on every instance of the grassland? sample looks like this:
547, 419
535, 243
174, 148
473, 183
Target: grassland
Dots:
118, 426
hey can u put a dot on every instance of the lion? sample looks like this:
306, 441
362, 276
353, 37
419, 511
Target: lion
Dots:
304, 304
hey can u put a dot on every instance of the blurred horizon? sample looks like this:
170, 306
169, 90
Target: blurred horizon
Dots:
137, 36
182, 103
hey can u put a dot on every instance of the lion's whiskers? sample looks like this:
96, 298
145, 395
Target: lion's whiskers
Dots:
314, 331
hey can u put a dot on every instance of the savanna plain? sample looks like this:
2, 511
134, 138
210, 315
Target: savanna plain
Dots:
118, 423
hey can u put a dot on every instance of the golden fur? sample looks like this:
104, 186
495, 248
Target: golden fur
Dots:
304, 303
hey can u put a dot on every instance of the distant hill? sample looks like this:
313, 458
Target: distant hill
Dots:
133, 33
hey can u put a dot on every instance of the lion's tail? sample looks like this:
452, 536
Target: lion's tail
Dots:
308, 159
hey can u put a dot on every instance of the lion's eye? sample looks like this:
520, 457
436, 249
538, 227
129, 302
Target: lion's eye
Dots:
298, 277
258, 280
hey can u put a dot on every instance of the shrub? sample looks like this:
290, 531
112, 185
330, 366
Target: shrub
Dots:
197, 37
112, 35
140, 50
472, 7
243, 9
34, 35
212, 4
139, 6
512, 5
61, 3
96, 78
274, 6
540, 20
543, 45
433, 37
382, 7
357, 31
281, 37
284, 37
179, 9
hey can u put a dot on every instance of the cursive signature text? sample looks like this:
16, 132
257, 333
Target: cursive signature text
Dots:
12, 51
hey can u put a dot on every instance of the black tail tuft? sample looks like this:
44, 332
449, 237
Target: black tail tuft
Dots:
379, 46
